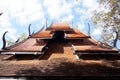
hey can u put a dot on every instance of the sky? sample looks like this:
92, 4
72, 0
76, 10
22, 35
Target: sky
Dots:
18, 14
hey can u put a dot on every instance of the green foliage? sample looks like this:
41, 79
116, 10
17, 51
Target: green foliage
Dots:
10, 42
22, 37
107, 18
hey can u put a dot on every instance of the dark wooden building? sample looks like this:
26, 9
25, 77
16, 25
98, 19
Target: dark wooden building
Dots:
61, 32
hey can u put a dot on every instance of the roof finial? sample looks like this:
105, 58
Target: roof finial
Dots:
17, 40
1, 14
46, 23
4, 41
88, 28
29, 30
60, 20
72, 24
33, 32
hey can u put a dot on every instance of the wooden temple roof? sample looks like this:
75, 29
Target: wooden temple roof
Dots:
89, 44
60, 26
92, 48
42, 34
83, 43
28, 45
69, 32
75, 33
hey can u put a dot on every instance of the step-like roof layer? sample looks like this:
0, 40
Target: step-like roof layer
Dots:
42, 34
70, 33
75, 33
60, 26
79, 40
28, 45
89, 44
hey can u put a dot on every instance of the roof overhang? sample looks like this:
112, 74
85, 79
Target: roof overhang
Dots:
42, 37
77, 37
78, 49
59, 29
28, 45
115, 51
17, 52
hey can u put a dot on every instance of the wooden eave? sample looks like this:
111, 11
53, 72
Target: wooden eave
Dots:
93, 48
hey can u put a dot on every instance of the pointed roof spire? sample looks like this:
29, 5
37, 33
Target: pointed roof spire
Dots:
4, 40
88, 29
72, 24
1, 14
29, 30
46, 23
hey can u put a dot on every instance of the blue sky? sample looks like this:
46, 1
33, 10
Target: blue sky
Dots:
18, 14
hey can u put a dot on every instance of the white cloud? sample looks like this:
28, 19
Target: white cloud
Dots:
19, 13
81, 26
87, 8
5, 25
52, 7
58, 8
68, 18
96, 32
4, 21
91, 4
24, 12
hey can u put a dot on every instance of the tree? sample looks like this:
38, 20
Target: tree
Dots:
22, 37
10, 42
107, 18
